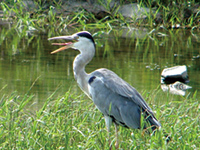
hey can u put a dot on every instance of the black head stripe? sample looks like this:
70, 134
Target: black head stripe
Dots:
86, 34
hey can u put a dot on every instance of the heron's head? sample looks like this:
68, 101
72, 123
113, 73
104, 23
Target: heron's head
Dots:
82, 41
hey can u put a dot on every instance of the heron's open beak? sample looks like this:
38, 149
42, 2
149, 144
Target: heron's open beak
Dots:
66, 45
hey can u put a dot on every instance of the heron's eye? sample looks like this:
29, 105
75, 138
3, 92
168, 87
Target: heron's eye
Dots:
76, 38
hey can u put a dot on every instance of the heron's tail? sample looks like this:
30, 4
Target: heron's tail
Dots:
153, 122
155, 125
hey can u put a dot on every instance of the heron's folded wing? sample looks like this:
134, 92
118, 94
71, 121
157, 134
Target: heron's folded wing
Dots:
120, 109
121, 87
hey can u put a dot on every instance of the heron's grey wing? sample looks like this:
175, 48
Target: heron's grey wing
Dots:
121, 110
116, 98
116, 84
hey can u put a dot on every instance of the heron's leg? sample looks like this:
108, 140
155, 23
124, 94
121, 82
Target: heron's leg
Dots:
108, 121
116, 134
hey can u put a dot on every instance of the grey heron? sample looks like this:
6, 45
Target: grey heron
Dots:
115, 98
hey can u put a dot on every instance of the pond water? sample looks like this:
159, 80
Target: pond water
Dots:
136, 55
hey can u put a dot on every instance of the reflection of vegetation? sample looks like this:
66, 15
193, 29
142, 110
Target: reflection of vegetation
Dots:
14, 40
70, 122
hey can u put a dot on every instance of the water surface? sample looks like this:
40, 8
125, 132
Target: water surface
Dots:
27, 67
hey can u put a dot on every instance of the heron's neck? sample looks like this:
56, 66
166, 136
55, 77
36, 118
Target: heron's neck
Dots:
80, 75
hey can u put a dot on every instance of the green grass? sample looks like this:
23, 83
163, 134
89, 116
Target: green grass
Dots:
73, 122
43, 18
28, 23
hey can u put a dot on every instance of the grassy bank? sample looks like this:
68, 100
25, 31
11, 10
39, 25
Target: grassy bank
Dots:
55, 16
27, 20
72, 122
